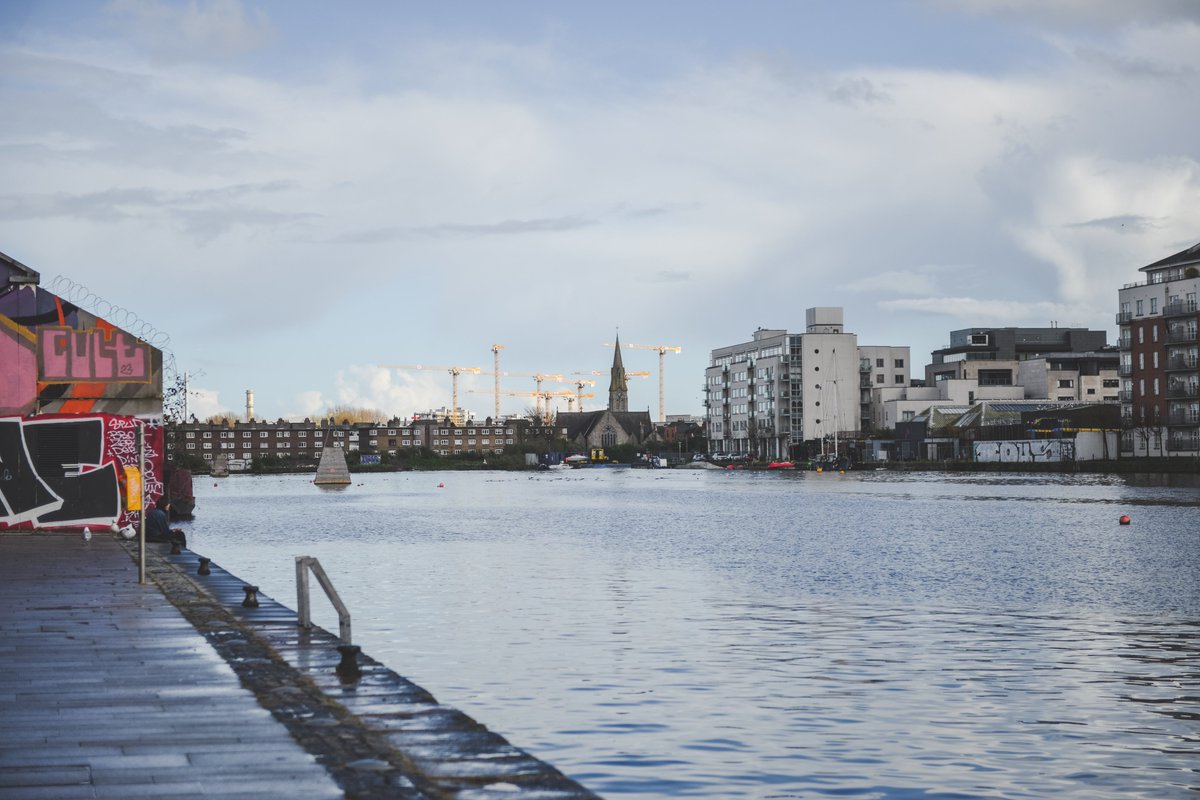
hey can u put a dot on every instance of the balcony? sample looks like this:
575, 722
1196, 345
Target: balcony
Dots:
1124, 342
1183, 390
1183, 444
1125, 370
1182, 334
1183, 416
1125, 396
1181, 362
1180, 308
1123, 317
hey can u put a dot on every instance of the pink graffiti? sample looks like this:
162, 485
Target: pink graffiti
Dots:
65, 354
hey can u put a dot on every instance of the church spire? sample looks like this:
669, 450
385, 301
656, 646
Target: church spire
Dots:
618, 385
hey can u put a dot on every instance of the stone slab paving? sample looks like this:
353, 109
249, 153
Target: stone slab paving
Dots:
107, 691
174, 689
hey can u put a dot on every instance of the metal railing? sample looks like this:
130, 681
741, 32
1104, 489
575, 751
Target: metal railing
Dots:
1186, 334
1123, 317
304, 565
1179, 308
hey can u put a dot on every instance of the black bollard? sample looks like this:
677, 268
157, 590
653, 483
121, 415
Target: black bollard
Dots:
176, 548
347, 668
203, 568
251, 600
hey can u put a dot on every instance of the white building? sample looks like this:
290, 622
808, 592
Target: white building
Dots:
778, 391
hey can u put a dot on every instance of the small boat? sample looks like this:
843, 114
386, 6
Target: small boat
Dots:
781, 465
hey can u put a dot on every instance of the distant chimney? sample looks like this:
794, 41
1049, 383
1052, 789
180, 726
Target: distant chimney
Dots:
249, 404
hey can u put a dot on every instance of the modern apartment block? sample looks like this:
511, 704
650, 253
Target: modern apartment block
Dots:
779, 390
1160, 392
992, 356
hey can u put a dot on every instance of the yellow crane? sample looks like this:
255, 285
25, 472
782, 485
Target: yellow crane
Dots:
579, 384
542, 399
454, 373
662, 350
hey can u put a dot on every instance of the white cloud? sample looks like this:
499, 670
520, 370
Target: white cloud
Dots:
199, 29
1004, 313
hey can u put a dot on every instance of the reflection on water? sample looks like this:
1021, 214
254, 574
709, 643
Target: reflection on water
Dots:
680, 634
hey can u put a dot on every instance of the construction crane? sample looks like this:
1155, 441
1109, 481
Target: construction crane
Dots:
542, 399
579, 384
454, 373
496, 348
662, 349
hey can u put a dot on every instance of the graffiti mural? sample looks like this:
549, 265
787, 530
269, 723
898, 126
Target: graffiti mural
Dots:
1024, 451
66, 355
67, 471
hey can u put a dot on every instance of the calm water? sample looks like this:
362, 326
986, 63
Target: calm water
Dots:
731, 635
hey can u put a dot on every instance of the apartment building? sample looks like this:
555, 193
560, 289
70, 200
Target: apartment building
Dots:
1160, 382
992, 356
304, 441
775, 393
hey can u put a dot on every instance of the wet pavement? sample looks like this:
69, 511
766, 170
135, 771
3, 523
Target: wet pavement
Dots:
174, 689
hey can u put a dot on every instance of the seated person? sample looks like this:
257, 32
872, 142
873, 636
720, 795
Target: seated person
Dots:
158, 528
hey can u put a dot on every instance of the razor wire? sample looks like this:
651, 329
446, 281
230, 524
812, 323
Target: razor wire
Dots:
82, 297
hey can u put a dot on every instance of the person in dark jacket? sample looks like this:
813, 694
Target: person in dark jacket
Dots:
158, 528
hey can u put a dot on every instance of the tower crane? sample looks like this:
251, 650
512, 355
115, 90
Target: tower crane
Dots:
662, 349
579, 384
541, 410
454, 373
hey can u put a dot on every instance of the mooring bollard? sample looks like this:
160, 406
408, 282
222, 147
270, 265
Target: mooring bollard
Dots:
251, 600
347, 668
176, 548
203, 568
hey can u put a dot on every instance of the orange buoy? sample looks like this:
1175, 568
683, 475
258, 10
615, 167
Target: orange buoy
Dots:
1124, 519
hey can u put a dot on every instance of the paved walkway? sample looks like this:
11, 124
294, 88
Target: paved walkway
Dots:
110, 690
106, 691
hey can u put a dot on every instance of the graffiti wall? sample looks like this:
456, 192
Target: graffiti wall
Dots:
58, 358
68, 471
1026, 451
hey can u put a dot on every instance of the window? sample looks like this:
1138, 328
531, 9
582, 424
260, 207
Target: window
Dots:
302, 433
263, 434
1141, 361
191, 446
1066, 383
208, 445
318, 444
879, 362
1139, 308
1091, 391
246, 434
191, 435
899, 363
208, 434
900, 380
1154, 332
1141, 334
1156, 357
1142, 389
1156, 387
878, 378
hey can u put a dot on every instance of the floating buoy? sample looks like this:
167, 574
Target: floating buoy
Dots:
1124, 519
87, 534
441, 486
819, 469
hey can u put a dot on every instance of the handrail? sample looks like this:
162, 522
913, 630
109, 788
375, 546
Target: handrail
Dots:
305, 564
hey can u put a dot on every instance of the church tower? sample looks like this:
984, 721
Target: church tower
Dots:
618, 385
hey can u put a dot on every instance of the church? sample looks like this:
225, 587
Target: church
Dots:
613, 426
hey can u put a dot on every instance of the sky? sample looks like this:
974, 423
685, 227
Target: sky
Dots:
290, 196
